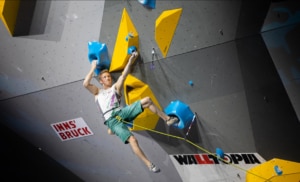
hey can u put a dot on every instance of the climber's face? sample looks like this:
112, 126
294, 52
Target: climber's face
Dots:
105, 79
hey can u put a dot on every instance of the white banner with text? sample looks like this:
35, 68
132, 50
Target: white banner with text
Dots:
71, 129
207, 167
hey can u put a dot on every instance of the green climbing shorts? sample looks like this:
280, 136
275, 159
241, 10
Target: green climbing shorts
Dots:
128, 113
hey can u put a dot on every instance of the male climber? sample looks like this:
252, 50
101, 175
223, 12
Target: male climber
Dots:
108, 98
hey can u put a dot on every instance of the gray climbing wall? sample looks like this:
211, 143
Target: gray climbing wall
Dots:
244, 91
200, 24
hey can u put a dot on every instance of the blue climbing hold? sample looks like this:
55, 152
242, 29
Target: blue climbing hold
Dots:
132, 49
182, 112
129, 36
98, 51
219, 153
148, 3
277, 170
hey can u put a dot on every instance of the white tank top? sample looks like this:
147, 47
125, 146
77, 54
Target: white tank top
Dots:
108, 101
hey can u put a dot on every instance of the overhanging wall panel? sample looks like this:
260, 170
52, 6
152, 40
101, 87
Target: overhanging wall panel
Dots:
271, 112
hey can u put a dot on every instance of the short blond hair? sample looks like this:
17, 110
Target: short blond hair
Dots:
101, 72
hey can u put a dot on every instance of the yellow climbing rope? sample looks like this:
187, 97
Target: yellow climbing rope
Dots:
190, 142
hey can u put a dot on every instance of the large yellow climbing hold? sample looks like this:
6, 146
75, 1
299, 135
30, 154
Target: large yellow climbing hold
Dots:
165, 27
127, 37
275, 170
8, 14
134, 90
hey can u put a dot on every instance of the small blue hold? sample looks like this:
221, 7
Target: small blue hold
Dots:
131, 49
191, 83
130, 35
220, 153
148, 3
277, 170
